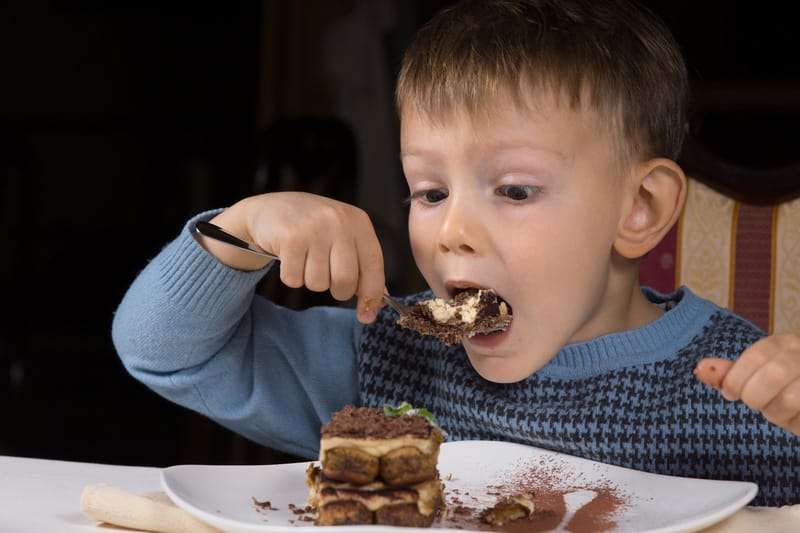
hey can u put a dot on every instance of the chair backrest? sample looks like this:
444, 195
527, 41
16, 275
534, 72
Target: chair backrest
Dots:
737, 242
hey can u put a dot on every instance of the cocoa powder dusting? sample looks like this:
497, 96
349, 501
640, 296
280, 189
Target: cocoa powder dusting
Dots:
598, 514
549, 479
370, 422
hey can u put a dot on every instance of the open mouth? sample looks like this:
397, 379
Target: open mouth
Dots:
463, 294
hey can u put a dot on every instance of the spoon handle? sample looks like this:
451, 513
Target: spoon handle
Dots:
212, 231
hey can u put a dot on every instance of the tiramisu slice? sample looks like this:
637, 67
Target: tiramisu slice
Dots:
377, 467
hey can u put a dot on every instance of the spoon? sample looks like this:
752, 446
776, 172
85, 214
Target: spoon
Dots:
212, 231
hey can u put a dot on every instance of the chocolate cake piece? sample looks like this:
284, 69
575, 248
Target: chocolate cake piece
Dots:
469, 313
377, 467
509, 509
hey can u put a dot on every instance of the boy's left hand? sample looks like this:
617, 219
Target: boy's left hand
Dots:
766, 377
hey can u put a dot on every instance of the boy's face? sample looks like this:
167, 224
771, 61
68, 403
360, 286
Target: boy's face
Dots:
529, 204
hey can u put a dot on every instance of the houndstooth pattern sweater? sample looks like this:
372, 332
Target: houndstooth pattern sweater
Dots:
607, 400
192, 330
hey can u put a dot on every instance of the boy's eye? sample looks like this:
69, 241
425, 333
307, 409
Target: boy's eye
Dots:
431, 196
517, 192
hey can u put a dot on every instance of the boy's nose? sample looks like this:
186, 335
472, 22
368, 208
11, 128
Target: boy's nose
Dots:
459, 232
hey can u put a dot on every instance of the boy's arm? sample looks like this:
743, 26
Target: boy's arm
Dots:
766, 377
193, 330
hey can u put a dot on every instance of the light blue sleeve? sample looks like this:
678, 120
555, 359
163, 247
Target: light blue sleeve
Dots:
194, 331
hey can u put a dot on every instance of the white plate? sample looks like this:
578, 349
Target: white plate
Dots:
223, 495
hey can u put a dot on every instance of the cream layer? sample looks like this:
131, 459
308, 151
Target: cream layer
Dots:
374, 496
378, 447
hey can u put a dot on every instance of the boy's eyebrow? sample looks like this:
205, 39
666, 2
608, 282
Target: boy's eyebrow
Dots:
526, 146
504, 146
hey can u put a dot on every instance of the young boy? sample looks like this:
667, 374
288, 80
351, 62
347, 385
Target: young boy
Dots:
538, 140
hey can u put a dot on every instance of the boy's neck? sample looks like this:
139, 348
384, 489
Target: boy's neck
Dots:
625, 306
627, 299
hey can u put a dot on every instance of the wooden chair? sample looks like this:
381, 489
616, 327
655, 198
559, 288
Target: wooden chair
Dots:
737, 242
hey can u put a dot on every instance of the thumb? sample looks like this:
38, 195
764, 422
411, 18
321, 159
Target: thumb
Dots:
712, 371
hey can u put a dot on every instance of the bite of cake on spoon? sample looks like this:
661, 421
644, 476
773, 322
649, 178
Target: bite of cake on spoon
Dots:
468, 313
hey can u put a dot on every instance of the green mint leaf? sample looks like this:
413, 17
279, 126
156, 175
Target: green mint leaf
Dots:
406, 408
424, 413
401, 409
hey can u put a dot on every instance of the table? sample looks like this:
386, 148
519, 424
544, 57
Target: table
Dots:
43, 496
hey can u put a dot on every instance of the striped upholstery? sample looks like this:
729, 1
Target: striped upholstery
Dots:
741, 256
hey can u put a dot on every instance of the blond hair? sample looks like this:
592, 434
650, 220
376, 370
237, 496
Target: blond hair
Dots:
614, 57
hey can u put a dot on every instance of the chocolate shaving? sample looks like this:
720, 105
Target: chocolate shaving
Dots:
266, 504
370, 422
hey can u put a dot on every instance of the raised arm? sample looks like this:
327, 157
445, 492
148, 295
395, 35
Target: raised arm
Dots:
191, 327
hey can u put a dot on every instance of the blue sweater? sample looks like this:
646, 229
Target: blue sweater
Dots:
194, 331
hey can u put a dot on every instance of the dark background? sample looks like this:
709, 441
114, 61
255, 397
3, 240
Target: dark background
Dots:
119, 120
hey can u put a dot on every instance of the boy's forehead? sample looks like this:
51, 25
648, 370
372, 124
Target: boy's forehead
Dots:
539, 107
544, 123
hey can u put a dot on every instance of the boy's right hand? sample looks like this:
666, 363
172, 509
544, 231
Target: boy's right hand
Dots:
323, 244
766, 377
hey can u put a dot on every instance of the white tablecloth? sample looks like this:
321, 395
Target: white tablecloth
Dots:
43, 496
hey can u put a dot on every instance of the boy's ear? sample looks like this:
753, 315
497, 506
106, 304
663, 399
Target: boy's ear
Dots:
656, 206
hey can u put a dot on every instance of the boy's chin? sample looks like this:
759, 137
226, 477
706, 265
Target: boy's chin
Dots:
503, 368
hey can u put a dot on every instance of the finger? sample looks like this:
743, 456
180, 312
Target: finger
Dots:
784, 406
344, 270
371, 279
794, 425
317, 271
746, 366
712, 371
765, 384
292, 265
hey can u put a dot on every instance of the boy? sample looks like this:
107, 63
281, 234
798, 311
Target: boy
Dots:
538, 139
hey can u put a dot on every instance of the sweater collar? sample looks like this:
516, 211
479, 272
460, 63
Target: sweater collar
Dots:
656, 341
